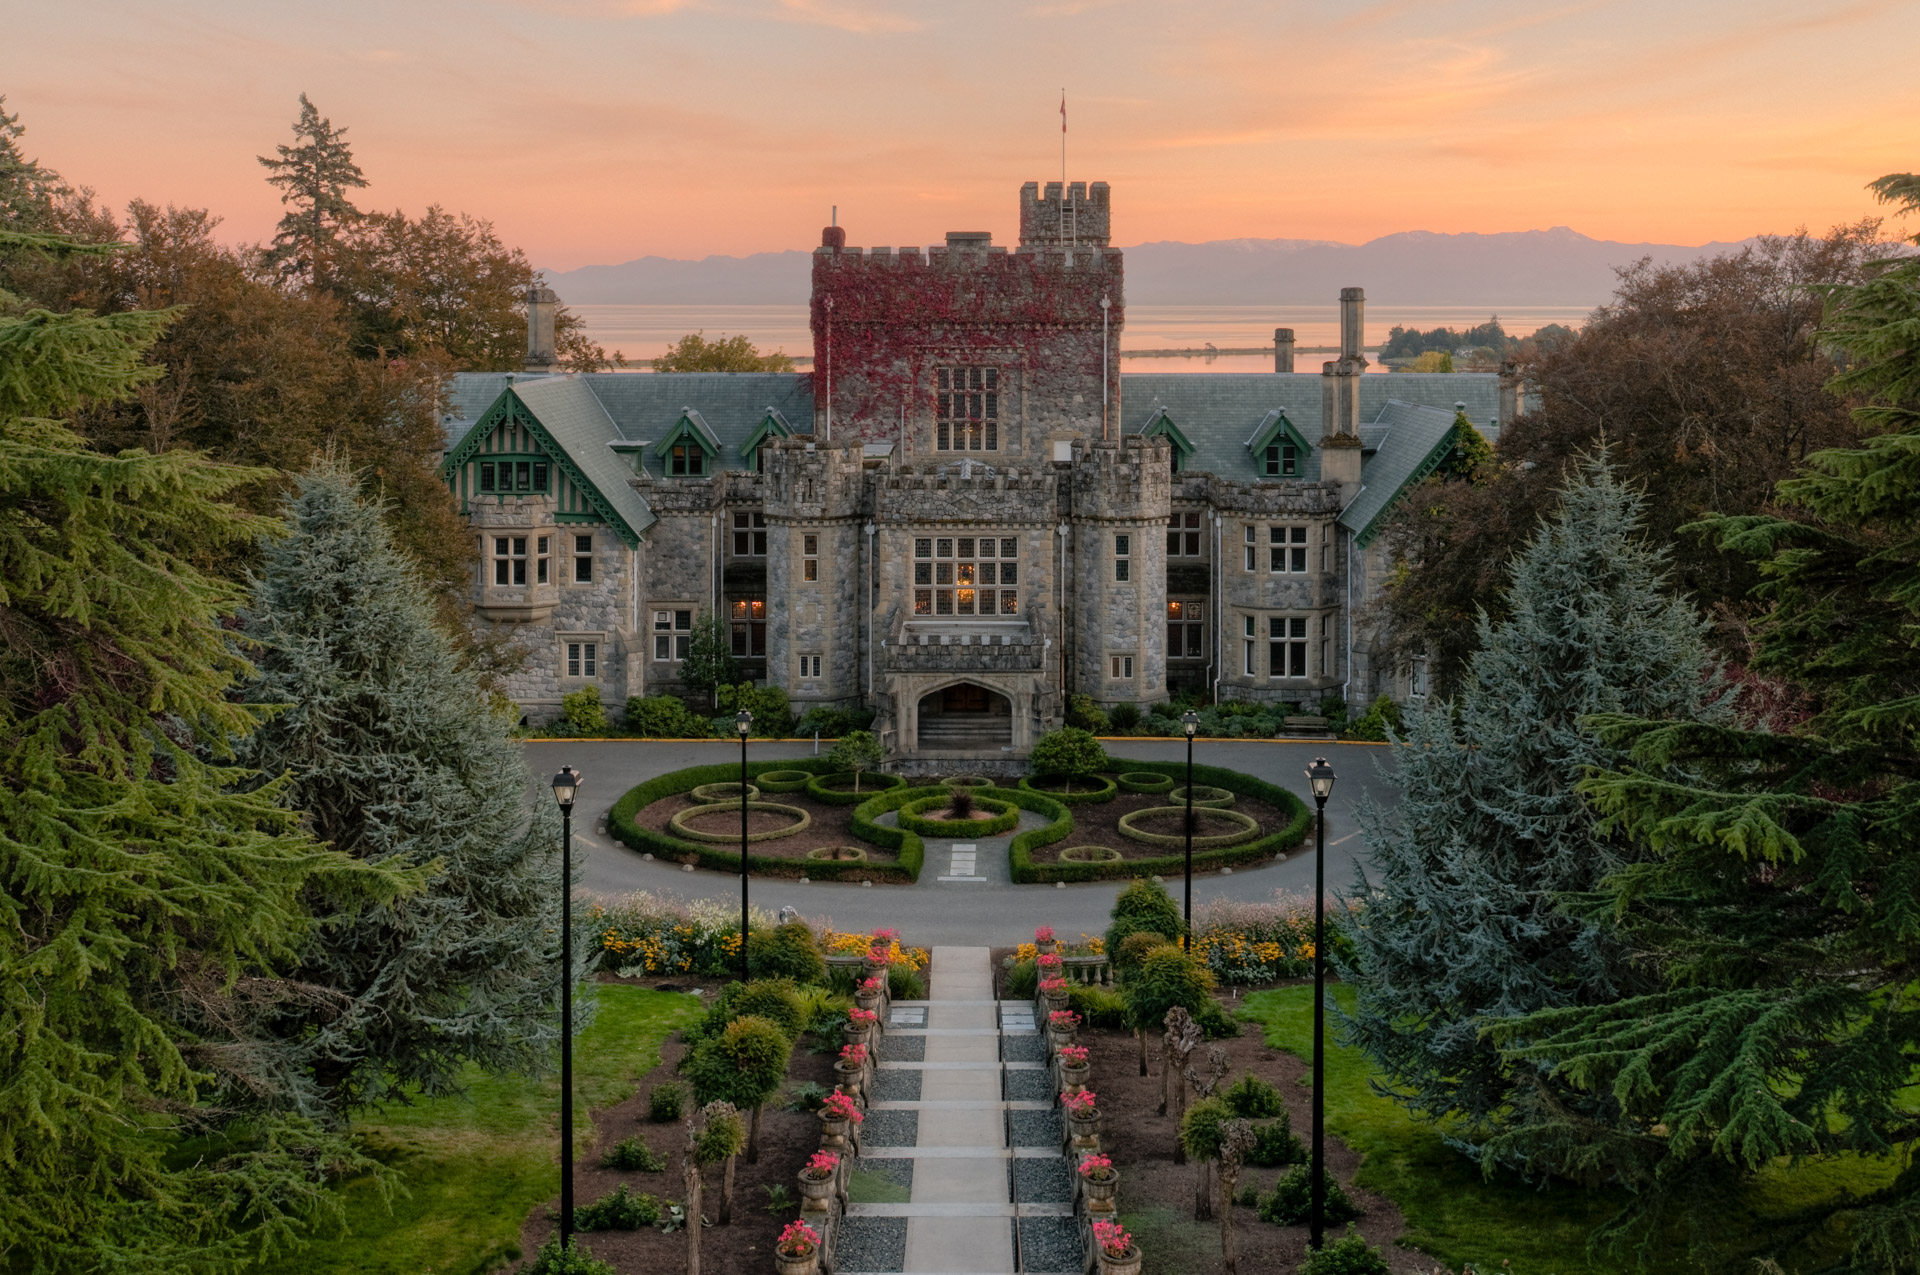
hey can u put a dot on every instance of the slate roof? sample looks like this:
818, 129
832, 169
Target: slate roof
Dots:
568, 409
1413, 439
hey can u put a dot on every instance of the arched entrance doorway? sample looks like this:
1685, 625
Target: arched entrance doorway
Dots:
965, 718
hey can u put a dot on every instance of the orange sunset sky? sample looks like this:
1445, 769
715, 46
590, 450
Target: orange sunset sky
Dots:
601, 130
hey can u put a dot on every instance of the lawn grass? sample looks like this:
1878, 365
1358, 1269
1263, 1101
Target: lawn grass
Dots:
472, 1167
1452, 1211
1460, 1217
1172, 1242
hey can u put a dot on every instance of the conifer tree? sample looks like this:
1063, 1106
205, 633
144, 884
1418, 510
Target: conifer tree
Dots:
314, 176
394, 754
146, 901
1778, 901
1461, 926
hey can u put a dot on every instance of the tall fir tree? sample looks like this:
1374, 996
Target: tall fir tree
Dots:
149, 895
392, 749
1462, 926
1777, 902
314, 175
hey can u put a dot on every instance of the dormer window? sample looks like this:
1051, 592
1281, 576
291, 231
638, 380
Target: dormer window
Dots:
507, 476
686, 461
1282, 461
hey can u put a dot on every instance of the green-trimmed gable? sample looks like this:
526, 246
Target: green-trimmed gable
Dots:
1275, 430
772, 425
1161, 425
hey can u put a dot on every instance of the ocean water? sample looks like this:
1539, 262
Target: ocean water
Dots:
645, 331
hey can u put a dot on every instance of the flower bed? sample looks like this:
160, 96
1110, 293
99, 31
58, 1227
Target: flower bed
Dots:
966, 781
1143, 781
1024, 870
836, 787
647, 933
1091, 788
1090, 854
722, 794
784, 780
1001, 815
1131, 825
1203, 795
1245, 942
770, 810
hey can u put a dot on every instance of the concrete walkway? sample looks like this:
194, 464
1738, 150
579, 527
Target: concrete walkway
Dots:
962, 1212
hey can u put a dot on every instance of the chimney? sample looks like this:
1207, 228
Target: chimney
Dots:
541, 304
1283, 349
1511, 384
1353, 328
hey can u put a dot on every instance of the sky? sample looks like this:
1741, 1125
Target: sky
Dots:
593, 131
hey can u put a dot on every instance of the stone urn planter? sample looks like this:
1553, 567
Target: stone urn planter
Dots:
869, 1001
833, 1131
851, 1077
1101, 1190
1058, 1036
1127, 1264
815, 1186
1084, 1129
1048, 947
855, 1034
807, 1263
1074, 1076
1054, 998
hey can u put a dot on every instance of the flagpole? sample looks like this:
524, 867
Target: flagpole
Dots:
1063, 164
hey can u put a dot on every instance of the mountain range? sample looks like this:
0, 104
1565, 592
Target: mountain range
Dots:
1557, 267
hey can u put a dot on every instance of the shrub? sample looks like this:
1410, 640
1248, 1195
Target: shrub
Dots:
1166, 977
1069, 751
904, 984
1084, 714
667, 1102
960, 805
1200, 1128
1349, 1255
664, 717
1134, 948
633, 1155
1214, 1021
772, 715
1334, 709
1382, 715
618, 1210
1143, 905
1254, 1097
1249, 1196
1275, 1145
583, 710
1021, 982
1100, 1007
1292, 1199
1124, 718
787, 951
575, 1259
833, 722
743, 1065
775, 999
858, 751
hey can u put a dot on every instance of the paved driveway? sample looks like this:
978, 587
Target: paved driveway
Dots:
991, 911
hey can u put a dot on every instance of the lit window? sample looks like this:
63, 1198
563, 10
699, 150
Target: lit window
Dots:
957, 566
1186, 630
810, 557
967, 409
1121, 667
748, 620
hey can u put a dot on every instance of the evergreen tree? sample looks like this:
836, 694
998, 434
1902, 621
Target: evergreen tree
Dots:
1778, 900
145, 901
1462, 926
391, 749
314, 176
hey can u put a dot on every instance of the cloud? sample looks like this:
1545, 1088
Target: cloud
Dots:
857, 18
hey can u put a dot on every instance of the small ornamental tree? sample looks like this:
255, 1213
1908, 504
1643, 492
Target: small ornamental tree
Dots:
1168, 978
1144, 907
1236, 1140
709, 664
1069, 752
721, 1142
1202, 1134
858, 751
744, 1065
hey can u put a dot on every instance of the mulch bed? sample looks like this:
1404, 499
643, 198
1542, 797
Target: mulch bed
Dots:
1098, 824
787, 1138
1141, 1144
831, 826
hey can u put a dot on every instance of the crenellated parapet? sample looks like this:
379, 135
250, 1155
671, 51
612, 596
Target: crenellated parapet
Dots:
1078, 214
1287, 499
962, 491
808, 480
1128, 479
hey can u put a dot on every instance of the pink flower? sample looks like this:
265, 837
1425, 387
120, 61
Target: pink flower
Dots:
877, 955
862, 1017
853, 1055
823, 1164
838, 1106
1048, 961
1112, 1237
799, 1239
886, 936
1053, 985
1073, 1055
1064, 1018
875, 984
1080, 1104
1044, 934
1096, 1166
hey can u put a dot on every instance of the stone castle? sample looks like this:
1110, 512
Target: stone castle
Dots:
965, 512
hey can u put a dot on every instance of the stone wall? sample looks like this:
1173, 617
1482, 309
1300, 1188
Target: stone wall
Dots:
1120, 488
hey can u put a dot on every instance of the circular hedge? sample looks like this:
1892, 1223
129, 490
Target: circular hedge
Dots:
1211, 798
783, 780
1249, 828
1094, 788
910, 818
840, 854
966, 781
719, 794
802, 820
824, 787
1131, 781
1089, 854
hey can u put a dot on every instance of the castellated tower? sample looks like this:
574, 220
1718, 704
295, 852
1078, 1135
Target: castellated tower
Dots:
1122, 493
967, 348
817, 565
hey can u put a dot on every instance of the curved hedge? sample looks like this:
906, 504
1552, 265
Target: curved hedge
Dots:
1107, 791
784, 780
1249, 828
621, 825
871, 781
727, 794
967, 781
1024, 870
678, 822
1205, 797
1091, 854
910, 817
1143, 781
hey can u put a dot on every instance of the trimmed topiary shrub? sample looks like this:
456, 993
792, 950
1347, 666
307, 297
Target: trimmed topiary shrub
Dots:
787, 951
1069, 751
1248, 827
618, 1210
1143, 905
666, 1102
583, 710
1253, 1097
632, 1155
1085, 790
783, 780
966, 781
1291, 1202
664, 717
1204, 795
1143, 781
837, 789
801, 821
1134, 948
1090, 854
1005, 815
1349, 1255
723, 794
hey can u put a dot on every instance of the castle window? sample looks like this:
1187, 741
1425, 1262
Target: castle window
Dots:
1249, 645
1120, 667
809, 667
1326, 547
509, 559
1252, 548
1287, 549
1282, 460
486, 476
967, 409
540, 560
672, 634
1326, 646
810, 557
957, 566
583, 659
1287, 646
749, 621
686, 461
749, 535
583, 559
540, 477
1417, 677
1186, 629
1183, 536
1122, 566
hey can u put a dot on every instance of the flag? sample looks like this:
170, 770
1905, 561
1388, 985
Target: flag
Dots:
1063, 110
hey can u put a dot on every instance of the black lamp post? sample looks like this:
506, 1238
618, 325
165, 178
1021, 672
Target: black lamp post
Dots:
743, 725
564, 785
1189, 722
1320, 778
